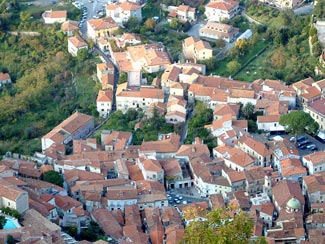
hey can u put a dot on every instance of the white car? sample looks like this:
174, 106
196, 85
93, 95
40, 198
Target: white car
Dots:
95, 17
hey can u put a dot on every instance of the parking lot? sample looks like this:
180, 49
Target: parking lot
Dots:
91, 9
184, 196
311, 140
320, 146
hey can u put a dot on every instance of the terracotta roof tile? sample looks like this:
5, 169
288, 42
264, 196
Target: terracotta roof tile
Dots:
225, 5
70, 25
169, 143
317, 106
102, 24
316, 157
56, 14
284, 190
108, 223
4, 76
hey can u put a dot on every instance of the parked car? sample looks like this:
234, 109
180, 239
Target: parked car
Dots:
292, 139
301, 138
310, 145
180, 198
314, 148
302, 143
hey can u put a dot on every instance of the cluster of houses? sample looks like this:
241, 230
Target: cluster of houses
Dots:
123, 187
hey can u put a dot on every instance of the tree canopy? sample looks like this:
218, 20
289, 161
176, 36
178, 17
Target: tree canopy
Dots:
2, 221
299, 122
220, 226
53, 177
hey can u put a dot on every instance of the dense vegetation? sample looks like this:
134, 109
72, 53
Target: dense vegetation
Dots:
202, 115
319, 11
2, 221
11, 212
219, 226
48, 84
92, 233
288, 56
171, 35
53, 177
299, 122
150, 129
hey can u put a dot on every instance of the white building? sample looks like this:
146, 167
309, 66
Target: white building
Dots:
214, 31
221, 10
104, 102
51, 17
141, 98
122, 11
75, 44
13, 197
269, 123
314, 162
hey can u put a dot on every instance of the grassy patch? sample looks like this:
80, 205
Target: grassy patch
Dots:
37, 10
252, 51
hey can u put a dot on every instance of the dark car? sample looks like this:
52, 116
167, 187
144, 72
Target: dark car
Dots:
301, 138
301, 143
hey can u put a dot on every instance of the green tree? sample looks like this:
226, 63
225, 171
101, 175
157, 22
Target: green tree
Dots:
210, 63
319, 10
24, 16
312, 30
174, 24
233, 66
219, 226
299, 122
10, 239
220, 43
248, 110
73, 231
53, 177
82, 54
132, 24
317, 49
122, 78
2, 221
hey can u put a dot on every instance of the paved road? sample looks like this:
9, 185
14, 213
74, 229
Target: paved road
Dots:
194, 31
189, 195
305, 9
92, 8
